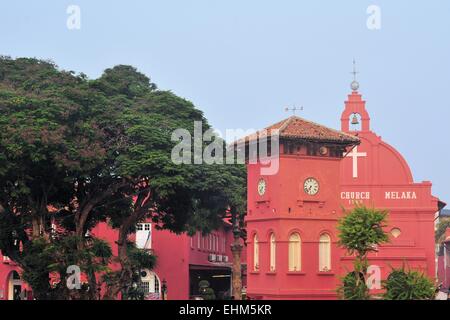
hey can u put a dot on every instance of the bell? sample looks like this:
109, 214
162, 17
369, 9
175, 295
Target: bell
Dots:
355, 120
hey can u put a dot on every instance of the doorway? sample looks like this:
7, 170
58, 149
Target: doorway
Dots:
14, 286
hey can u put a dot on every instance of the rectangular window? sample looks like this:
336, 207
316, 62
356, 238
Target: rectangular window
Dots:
143, 236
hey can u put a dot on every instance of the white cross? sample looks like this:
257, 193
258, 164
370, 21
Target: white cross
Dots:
355, 155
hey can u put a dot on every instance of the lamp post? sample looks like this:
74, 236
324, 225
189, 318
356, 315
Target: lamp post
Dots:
164, 289
236, 249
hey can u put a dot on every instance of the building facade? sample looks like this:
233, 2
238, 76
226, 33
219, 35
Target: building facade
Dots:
182, 262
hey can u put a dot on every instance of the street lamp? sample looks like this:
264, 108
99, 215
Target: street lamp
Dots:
164, 289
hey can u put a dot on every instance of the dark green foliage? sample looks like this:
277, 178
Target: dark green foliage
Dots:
404, 284
42, 258
124, 80
354, 287
141, 259
35, 262
206, 292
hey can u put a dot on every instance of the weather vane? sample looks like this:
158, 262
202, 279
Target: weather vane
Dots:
355, 84
293, 109
354, 72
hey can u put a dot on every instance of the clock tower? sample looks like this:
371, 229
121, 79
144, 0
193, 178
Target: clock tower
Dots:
292, 213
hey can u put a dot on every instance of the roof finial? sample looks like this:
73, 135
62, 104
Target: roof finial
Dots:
355, 84
293, 109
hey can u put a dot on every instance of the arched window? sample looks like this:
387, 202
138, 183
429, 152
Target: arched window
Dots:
396, 232
149, 284
272, 252
324, 253
295, 252
255, 253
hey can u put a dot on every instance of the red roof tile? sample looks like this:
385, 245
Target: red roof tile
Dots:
298, 128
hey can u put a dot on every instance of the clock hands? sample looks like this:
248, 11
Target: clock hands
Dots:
311, 186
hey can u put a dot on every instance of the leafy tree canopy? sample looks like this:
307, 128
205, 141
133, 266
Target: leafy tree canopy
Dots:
361, 229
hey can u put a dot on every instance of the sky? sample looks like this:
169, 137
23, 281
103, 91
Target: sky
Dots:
243, 62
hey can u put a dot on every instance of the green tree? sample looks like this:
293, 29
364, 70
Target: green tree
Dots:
49, 150
99, 150
360, 232
404, 284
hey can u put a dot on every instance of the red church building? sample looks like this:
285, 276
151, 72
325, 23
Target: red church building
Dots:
292, 215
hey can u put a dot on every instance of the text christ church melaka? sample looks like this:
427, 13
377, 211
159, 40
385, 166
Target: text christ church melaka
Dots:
292, 216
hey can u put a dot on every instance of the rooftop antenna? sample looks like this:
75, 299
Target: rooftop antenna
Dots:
293, 109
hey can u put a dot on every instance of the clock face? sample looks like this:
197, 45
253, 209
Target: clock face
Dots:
261, 187
311, 186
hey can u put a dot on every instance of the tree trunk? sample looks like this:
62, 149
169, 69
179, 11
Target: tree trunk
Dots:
36, 227
126, 273
125, 276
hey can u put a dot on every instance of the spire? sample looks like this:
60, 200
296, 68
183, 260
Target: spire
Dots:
355, 84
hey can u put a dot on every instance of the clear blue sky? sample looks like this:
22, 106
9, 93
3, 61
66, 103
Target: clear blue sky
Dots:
242, 62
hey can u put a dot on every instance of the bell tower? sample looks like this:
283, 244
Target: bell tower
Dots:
355, 109
292, 213
355, 116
